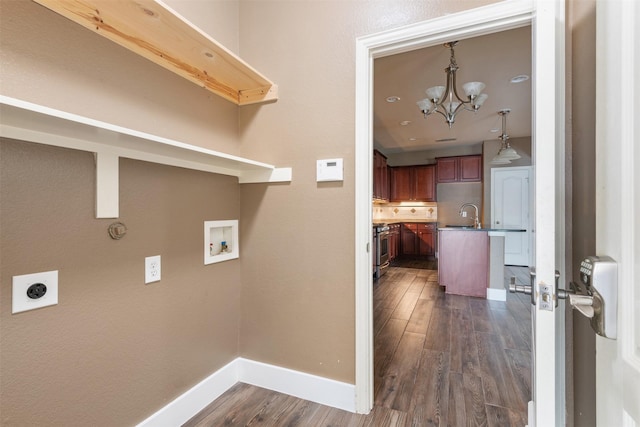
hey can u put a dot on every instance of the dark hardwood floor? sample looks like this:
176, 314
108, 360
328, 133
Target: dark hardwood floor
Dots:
440, 360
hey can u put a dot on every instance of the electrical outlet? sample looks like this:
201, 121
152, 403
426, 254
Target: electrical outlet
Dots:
152, 269
31, 291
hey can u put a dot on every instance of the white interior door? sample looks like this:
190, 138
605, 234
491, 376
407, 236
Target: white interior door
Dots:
618, 205
510, 210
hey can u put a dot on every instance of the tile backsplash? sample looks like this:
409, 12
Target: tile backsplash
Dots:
404, 211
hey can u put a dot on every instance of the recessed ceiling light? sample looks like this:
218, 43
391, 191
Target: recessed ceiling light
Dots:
413, 139
519, 79
393, 99
405, 122
494, 130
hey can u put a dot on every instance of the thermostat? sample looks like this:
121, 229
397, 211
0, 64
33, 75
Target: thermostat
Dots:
330, 170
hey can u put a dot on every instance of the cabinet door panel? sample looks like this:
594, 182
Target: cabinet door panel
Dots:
470, 168
426, 239
408, 240
401, 186
448, 169
424, 183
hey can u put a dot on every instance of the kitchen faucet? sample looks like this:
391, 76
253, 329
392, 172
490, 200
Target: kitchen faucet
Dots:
476, 220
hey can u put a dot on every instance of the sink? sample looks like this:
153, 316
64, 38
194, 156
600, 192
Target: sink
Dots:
458, 226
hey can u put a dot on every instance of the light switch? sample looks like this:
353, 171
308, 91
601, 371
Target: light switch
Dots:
330, 170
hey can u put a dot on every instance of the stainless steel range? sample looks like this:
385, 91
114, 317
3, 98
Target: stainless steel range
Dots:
381, 249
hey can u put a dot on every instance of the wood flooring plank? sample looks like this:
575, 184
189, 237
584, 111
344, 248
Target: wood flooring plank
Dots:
395, 294
380, 318
481, 315
340, 418
237, 410
504, 417
508, 330
406, 305
303, 413
438, 335
271, 411
456, 302
431, 291
397, 385
430, 400
463, 347
497, 380
466, 401
520, 365
385, 417
419, 320
228, 399
386, 344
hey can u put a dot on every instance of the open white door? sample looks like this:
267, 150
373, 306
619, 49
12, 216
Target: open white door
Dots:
618, 204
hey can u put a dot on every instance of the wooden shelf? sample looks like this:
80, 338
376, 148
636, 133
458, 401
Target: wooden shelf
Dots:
25, 121
151, 29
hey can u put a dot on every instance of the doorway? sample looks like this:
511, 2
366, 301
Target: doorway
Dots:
485, 20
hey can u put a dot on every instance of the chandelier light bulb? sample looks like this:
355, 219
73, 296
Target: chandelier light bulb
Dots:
435, 93
473, 89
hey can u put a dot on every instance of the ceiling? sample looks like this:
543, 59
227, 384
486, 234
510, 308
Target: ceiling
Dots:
493, 59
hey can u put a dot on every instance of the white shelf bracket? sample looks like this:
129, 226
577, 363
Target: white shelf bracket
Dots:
107, 185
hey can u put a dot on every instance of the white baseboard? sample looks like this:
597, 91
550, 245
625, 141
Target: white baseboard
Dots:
189, 403
299, 384
497, 294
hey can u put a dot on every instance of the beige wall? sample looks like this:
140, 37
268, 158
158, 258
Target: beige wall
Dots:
114, 350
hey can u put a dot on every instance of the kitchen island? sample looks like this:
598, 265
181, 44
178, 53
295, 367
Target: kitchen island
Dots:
471, 261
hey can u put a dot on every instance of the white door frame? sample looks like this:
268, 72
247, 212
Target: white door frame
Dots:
500, 16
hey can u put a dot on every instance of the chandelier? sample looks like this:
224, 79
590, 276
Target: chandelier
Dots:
445, 99
506, 153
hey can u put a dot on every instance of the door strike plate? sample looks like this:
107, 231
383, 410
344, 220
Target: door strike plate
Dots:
545, 297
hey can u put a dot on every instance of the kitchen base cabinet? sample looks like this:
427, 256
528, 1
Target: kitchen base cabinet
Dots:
418, 239
463, 262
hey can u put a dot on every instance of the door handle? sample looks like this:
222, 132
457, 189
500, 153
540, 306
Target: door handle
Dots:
520, 289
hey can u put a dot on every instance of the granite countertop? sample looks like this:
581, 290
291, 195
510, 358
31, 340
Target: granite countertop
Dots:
400, 221
471, 228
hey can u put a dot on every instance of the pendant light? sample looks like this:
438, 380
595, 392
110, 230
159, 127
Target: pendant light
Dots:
445, 100
506, 153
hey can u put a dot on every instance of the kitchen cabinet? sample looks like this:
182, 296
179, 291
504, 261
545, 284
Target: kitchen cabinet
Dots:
380, 177
413, 183
463, 262
459, 169
418, 239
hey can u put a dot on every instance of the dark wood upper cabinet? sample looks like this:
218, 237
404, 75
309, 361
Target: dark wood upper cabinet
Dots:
459, 169
413, 183
380, 177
